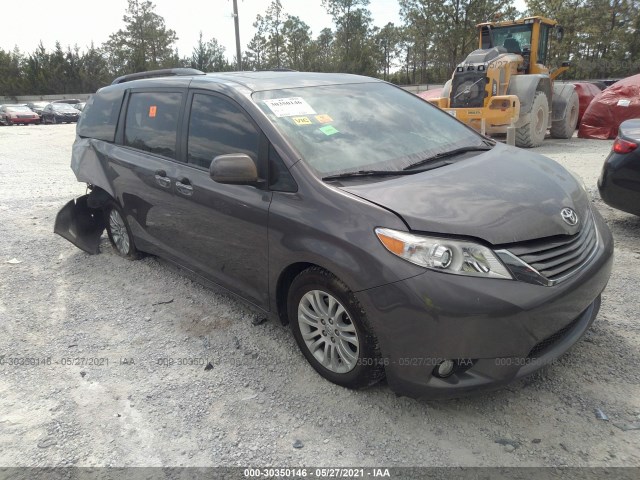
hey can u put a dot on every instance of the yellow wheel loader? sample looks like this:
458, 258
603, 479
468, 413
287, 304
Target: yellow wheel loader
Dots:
505, 87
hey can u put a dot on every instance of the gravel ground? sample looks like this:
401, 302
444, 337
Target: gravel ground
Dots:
241, 394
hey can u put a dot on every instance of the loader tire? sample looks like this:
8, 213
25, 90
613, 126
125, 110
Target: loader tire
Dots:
532, 134
566, 126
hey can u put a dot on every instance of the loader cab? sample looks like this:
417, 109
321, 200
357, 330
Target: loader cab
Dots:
528, 37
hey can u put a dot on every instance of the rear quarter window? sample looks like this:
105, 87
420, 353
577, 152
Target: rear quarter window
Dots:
100, 116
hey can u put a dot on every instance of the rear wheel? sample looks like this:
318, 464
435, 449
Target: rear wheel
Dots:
566, 126
532, 134
332, 331
120, 234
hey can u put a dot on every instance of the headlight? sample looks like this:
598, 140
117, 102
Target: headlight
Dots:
444, 255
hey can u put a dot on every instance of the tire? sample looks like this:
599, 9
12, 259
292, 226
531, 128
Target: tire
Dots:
317, 301
532, 134
119, 233
566, 126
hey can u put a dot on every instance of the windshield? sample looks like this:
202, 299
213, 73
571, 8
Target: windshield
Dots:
39, 104
63, 107
514, 38
346, 128
19, 108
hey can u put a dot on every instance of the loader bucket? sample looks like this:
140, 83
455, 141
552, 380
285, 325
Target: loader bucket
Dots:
81, 225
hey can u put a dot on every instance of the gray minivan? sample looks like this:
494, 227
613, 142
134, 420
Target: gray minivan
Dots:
394, 240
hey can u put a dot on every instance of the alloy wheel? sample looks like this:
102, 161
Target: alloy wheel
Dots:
328, 332
119, 232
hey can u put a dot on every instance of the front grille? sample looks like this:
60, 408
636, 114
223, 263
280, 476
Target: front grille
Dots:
558, 257
551, 340
468, 88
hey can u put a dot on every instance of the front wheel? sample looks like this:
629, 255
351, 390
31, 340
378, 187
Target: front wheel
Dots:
120, 234
332, 331
532, 134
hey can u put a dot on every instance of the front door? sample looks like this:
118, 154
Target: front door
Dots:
222, 229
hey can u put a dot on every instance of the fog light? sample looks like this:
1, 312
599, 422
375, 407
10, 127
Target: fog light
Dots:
445, 368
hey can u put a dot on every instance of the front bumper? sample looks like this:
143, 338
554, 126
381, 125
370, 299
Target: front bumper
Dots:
16, 120
65, 118
501, 111
502, 330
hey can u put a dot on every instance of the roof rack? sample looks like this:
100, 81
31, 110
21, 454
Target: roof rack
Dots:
167, 72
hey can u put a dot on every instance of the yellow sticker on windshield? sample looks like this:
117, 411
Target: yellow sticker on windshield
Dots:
324, 118
302, 121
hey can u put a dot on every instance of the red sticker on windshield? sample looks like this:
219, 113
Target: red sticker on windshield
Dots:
324, 118
152, 111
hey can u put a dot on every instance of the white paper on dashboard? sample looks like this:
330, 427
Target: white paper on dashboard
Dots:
289, 106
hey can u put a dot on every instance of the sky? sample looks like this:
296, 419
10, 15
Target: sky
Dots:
82, 21
79, 22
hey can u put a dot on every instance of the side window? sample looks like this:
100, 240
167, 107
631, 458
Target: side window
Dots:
152, 122
218, 127
279, 177
543, 44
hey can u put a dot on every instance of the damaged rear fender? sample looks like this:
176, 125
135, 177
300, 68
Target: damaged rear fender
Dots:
89, 162
82, 221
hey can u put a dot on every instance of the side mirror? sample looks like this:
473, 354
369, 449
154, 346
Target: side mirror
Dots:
234, 169
559, 33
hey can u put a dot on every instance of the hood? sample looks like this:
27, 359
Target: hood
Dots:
502, 196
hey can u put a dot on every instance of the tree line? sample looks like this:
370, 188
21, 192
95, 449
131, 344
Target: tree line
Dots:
601, 39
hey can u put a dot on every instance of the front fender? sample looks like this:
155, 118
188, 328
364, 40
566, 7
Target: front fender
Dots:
525, 88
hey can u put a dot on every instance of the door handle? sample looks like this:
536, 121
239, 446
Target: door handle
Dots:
184, 187
162, 179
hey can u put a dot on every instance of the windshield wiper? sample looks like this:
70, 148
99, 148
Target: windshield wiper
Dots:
367, 173
451, 153
385, 173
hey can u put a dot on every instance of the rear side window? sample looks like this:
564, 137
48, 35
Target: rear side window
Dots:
152, 122
218, 127
100, 116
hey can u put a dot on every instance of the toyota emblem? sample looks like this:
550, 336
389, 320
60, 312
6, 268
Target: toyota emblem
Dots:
569, 216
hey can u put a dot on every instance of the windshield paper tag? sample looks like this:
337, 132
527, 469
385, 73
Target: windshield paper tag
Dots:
152, 111
289, 107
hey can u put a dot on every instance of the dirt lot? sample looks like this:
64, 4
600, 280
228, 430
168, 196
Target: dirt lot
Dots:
105, 331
